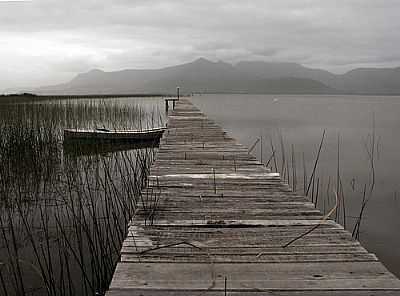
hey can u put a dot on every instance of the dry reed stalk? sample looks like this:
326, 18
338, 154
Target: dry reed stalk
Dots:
326, 217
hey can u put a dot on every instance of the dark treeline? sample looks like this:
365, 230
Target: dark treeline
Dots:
31, 97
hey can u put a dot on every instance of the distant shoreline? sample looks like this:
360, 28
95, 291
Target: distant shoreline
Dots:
298, 94
29, 97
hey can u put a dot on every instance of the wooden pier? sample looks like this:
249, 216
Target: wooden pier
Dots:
215, 221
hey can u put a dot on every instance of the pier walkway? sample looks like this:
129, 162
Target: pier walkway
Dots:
214, 221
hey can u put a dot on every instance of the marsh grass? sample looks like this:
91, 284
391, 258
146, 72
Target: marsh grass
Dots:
327, 192
63, 216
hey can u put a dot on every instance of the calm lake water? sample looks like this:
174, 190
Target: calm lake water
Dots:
301, 120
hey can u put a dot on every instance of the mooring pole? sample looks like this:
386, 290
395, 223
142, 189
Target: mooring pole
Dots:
177, 96
166, 105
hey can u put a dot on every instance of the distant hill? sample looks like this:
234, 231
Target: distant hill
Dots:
255, 77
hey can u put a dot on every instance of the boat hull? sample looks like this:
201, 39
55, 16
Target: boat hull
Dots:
113, 136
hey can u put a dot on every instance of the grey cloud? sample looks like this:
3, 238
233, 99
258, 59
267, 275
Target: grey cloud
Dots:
154, 33
213, 45
266, 52
74, 65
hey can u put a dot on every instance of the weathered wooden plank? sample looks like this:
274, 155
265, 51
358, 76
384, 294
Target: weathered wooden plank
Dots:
248, 231
261, 232
131, 248
245, 258
214, 163
245, 276
315, 241
264, 177
237, 223
256, 196
164, 292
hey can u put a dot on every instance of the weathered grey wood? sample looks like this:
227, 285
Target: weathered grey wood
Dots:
250, 276
240, 258
212, 211
163, 292
237, 223
132, 248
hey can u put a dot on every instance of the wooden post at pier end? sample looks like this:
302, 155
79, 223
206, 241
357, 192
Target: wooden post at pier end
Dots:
172, 100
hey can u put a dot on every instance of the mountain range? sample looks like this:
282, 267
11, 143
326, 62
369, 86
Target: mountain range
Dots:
255, 77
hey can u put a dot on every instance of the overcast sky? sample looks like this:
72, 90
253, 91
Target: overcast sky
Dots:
48, 41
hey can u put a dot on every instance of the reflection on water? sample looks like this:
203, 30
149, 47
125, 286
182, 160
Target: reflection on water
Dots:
81, 148
300, 121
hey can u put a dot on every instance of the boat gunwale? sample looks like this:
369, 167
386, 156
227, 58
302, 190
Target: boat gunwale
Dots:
116, 132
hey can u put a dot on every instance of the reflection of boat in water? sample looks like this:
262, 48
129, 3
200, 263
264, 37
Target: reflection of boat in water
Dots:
81, 148
105, 135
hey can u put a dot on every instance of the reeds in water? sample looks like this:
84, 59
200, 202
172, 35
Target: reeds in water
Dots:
325, 191
63, 217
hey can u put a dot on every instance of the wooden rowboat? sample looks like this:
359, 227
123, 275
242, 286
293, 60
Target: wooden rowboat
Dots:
105, 135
